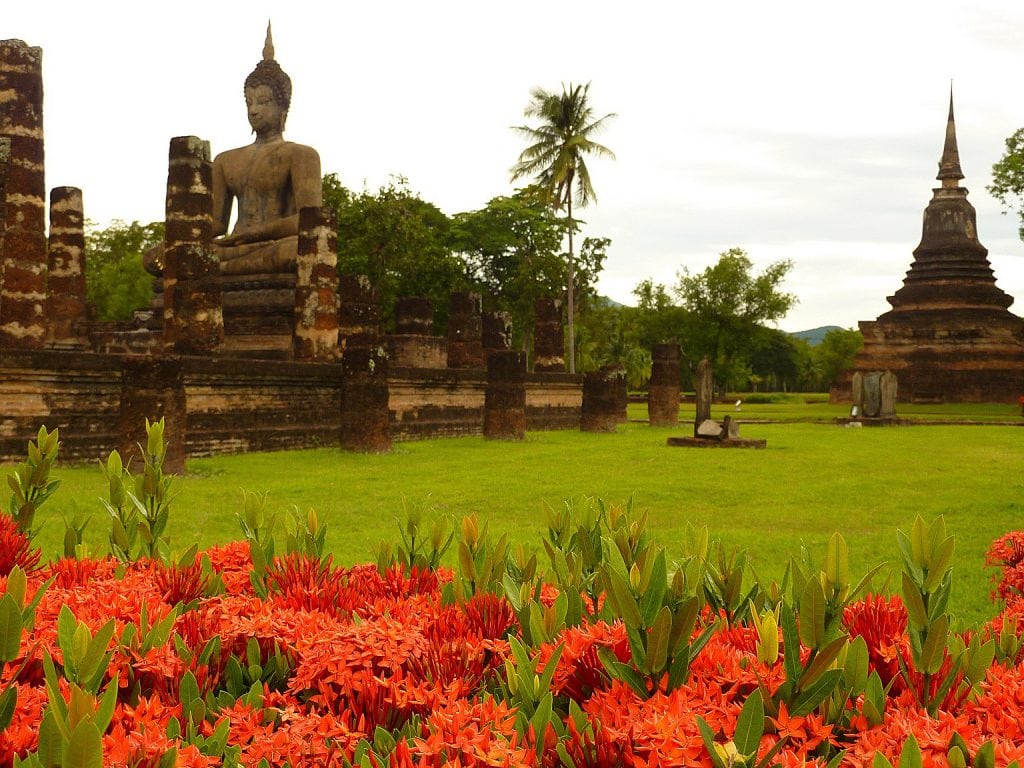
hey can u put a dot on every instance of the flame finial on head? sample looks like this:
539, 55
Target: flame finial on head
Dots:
268, 72
268, 46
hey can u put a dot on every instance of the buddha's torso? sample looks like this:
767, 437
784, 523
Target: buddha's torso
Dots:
260, 178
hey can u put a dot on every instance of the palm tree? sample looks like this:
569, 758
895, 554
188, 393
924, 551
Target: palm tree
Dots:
555, 159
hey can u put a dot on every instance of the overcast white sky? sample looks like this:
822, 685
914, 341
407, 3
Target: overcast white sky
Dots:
801, 130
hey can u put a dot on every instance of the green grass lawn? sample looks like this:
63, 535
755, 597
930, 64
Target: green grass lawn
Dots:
813, 479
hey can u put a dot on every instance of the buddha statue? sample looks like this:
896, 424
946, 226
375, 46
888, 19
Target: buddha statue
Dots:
271, 179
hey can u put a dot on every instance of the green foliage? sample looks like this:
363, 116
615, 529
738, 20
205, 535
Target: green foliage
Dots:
944, 662
30, 482
419, 549
1008, 177
834, 355
139, 506
512, 251
727, 303
152, 494
16, 616
481, 564
398, 240
116, 283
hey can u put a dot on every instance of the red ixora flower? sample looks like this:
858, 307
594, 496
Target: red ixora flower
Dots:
15, 548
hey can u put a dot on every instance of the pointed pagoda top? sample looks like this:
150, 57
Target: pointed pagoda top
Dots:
949, 165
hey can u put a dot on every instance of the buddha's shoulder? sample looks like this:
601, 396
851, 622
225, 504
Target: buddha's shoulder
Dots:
299, 150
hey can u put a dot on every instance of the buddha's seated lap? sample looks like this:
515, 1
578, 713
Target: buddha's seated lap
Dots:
259, 258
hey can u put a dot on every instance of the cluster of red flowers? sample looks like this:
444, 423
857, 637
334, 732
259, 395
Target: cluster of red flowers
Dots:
315, 668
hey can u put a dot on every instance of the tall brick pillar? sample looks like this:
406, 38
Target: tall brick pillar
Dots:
365, 424
604, 399
414, 316
505, 396
316, 286
496, 334
66, 265
358, 311
23, 278
152, 388
465, 332
548, 336
193, 309
5, 160
663, 389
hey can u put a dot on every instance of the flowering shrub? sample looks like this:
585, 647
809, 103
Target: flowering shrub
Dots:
237, 657
378, 668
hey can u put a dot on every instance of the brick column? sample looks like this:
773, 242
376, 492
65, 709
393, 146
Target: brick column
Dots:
548, 337
5, 161
23, 281
365, 417
316, 286
663, 389
465, 342
604, 399
496, 335
358, 311
66, 293
414, 316
152, 388
505, 396
193, 310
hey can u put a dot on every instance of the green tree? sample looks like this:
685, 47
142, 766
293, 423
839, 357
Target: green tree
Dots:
398, 240
726, 304
115, 282
835, 354
512, 252
1008, 178
556, 159
777, 359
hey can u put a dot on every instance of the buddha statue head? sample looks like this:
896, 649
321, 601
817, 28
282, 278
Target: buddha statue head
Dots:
268, 92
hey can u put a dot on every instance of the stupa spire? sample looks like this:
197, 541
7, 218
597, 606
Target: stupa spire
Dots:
949, 166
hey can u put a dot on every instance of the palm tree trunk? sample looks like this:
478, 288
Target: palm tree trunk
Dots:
571, 294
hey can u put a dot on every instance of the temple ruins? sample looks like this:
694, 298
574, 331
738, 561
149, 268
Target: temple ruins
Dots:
949, 336
254, 341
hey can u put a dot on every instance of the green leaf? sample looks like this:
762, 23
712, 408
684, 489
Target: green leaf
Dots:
97, 649
813, 695
657, 643
916, 612
985, 756
934, 649
650, 602
790, 643
8, 701
750, 725
10, 628
880, 761
910, 756
821, 662
812, 614
51, 742
86, 747
941, 559
708, 736
105, 710
17, 584
629, 610
837, 561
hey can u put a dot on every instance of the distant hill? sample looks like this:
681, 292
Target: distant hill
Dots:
815, 335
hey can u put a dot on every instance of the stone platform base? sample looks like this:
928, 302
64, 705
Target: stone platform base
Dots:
700, 442
862, 421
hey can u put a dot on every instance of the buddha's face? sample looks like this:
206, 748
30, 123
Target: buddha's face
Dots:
265, 114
